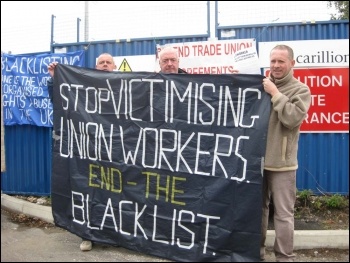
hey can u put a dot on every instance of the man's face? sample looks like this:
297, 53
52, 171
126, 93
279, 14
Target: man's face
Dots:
105, 63
280, 63
169, 63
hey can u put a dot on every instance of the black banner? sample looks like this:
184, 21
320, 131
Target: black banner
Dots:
165, 164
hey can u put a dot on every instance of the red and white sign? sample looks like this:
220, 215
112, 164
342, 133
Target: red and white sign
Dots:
329, 111
323, 65
209, 57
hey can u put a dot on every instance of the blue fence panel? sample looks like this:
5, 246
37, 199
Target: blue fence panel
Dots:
323, 158
28, 160
323, 163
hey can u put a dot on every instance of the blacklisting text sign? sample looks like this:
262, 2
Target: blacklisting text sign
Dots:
166, 164
24, 86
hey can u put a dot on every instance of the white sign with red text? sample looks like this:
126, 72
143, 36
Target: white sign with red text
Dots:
211, 57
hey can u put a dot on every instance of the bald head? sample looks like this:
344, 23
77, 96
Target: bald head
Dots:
105, 62
169, 60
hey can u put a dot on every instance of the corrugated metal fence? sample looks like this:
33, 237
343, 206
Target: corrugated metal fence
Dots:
323, 157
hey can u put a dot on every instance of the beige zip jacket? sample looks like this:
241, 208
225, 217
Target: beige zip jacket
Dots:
289, 109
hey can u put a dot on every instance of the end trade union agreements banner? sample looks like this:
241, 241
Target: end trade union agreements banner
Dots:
165, 164
24, 86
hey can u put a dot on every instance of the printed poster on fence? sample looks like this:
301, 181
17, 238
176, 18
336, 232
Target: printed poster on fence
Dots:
166, 164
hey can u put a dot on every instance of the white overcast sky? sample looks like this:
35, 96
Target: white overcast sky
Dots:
26, 25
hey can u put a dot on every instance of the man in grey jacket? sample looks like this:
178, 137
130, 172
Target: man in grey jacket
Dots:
290, 103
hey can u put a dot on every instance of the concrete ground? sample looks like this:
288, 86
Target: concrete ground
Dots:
28, 244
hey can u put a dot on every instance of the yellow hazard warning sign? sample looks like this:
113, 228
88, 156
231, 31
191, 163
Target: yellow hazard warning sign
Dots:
124, 66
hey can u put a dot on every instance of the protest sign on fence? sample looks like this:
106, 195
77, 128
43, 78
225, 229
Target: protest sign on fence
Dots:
24, 86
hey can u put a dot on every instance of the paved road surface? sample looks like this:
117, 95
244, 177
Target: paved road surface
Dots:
31, 244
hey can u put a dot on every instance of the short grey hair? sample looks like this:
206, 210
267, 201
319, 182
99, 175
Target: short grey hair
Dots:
168, 49
285, 47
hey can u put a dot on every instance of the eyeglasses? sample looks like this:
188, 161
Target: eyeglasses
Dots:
172, 60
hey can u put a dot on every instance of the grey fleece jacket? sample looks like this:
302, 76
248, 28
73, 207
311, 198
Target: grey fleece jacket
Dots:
289, 109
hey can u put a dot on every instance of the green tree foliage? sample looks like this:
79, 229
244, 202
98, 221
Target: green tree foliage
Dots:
342, 8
